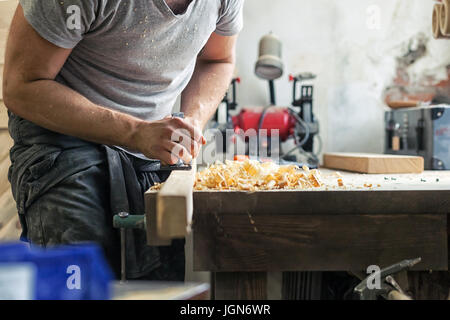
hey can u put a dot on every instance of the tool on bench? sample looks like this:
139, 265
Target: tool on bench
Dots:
125, 220
388, 289
180, 165
420, 131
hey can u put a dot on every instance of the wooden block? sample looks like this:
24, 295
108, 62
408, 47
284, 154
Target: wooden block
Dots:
157, 290
174, 205
292, 242
340, 203
374, 163
150, 210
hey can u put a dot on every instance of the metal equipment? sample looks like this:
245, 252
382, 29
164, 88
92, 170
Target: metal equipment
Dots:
269, 65
297, 122
272, 125
388, 289
422, 131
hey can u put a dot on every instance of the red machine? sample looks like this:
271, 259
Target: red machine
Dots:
276, 120
294, 122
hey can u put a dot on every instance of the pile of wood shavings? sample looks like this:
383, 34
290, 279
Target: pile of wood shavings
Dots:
252, 175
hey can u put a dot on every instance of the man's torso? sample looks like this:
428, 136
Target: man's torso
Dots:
140, 55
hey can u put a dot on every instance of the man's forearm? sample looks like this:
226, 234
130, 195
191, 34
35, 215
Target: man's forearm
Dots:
206, 90
61, 109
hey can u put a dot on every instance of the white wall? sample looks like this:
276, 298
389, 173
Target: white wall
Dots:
354, 61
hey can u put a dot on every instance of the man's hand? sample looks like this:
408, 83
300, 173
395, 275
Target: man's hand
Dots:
169, 139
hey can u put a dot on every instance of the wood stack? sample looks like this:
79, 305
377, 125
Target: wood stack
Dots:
9, 224
441, 20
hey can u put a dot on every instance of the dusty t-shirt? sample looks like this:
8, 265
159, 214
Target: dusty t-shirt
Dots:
134, 56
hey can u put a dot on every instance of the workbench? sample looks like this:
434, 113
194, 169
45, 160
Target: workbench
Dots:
374, 220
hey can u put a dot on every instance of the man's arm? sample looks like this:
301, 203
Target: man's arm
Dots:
29, 89
212, 76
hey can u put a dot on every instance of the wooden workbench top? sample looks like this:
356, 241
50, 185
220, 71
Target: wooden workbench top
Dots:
428, 192
327, 228
428, 180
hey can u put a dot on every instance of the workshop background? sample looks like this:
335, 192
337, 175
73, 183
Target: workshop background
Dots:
361, 50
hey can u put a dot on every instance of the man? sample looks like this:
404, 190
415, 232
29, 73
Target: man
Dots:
90, 87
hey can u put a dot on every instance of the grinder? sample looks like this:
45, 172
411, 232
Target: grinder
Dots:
296, 122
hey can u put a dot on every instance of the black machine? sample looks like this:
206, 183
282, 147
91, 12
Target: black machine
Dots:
421, 131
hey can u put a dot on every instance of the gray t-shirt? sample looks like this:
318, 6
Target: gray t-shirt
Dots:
133, 56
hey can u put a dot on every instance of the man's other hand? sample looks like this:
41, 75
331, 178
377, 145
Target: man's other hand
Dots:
169, 140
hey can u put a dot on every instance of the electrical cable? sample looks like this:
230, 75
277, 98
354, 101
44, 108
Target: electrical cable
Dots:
260, 124
303, 124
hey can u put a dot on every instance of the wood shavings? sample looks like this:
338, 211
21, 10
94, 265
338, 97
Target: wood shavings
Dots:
250, 175
156, 187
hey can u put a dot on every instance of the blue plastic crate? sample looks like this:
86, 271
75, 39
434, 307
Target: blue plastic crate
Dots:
61, 273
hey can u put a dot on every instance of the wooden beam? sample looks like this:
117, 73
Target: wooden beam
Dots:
253, 242
373, 163
150, 210
174, 205
372, 202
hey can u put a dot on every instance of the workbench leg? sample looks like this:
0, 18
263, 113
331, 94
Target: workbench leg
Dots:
240, 286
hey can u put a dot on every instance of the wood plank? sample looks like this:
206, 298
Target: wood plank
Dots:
240, 286
374, 163
287, 242
174, 205
150, 210
330, 202
151, 290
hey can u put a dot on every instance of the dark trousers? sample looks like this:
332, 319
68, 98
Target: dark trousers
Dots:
67, 191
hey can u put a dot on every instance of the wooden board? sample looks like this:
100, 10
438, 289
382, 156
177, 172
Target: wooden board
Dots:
428, 192
150, 209
398, 104
173, 207
373, 163
288, 242
148, 290
326, 229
